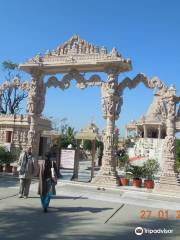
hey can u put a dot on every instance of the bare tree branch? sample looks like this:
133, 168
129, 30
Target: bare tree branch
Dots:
12, 97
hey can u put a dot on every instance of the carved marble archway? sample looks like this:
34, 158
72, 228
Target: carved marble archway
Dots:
74, 58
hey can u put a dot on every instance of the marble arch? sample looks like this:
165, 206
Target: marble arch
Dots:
76, 57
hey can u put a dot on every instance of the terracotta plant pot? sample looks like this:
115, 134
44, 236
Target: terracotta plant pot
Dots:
149, 184
123, 181
137, 182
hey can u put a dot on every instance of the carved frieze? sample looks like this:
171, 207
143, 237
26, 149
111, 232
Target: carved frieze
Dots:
82, 82
170, 145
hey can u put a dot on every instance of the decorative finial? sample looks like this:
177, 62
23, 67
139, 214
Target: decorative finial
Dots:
114, 52
48, 53
103, 51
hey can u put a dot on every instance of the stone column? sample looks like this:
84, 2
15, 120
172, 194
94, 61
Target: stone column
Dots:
76, 162
169, 180
145, 131
126, 132
35, 105
1, 93
111, 104
93, 153
137, 131
159, 132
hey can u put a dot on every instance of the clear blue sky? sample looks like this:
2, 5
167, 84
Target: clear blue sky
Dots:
148, 32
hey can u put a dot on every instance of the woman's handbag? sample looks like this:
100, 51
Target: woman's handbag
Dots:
53, 174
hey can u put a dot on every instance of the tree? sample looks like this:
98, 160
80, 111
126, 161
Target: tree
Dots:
67, 133
87, 145
68, 137
13, 96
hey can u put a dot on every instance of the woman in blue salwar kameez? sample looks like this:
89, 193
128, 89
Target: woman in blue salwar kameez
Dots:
47, 182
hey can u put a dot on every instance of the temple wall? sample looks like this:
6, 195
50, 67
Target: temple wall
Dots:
149, 148
14, 130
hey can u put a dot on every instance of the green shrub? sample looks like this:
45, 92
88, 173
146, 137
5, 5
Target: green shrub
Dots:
135, 171
2, 154
16, 153
6, 157
150, 168
123, 160
87, 144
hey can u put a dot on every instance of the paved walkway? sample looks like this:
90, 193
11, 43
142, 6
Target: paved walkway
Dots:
80, 212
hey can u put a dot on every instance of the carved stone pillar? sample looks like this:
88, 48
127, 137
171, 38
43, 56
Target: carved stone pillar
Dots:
168, 180
76, 162
145, 131
159, 132
1, 101
111, 104
35, 105
137, 131
126, 132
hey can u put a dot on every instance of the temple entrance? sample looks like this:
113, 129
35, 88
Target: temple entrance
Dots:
75, 58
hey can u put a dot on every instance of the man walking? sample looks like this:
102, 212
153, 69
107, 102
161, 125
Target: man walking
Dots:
26, 170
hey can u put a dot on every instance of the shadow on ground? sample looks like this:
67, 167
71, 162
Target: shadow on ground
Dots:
80, 209
68, 197
29, 223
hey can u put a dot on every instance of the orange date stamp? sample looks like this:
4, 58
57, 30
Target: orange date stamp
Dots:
160, 214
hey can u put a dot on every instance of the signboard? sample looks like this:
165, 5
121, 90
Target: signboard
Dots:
67, 158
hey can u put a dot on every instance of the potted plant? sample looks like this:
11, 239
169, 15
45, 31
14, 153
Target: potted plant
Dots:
150, 168
123, 161
137, 173
124, 180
